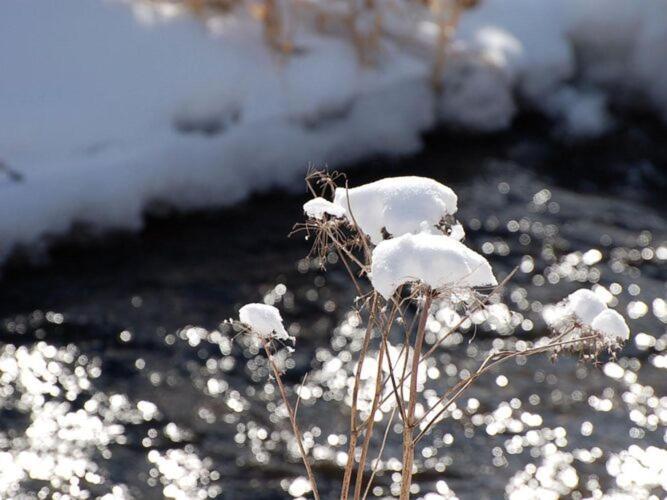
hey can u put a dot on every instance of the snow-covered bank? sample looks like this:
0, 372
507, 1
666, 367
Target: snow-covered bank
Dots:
105, 106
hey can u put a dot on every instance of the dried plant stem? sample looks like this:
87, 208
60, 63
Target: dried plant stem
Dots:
408, 425
448, 19
369, 429
397, 393
292, 417
340, 247
364, 243
379, 457
481, 305
491, 361
374, 405
437, 344
354, 430
349, 270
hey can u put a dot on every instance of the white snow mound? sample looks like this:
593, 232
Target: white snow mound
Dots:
318, 207
436, 260
398, 204
585, 305
612, 325
264, 320
590, 310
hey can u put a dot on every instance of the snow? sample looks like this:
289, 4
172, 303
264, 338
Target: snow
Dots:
398, 205
318, 207
612, 325
457, 232
591, 312
264, 320
109, 106
435, 260
585, 305
581, 114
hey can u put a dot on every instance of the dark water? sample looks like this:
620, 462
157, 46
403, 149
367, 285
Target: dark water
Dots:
117, 377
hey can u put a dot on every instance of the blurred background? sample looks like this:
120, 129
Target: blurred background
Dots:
152, 156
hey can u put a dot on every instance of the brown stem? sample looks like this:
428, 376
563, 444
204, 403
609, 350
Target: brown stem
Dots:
487, 365
449, 332
408, 425
292, 417
354, 431
374, 405
397, 393
367, 251
379, 457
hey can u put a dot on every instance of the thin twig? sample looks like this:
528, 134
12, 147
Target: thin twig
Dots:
298, 397
408, 425
488, 365
354, 431
292, 417
374, 406
449, 332
376, 464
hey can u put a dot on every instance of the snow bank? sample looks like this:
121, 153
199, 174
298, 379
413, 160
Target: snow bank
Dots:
435, 260
104, 112
397, 205
264, 321
107, 106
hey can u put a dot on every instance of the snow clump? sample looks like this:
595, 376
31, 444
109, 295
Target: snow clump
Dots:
611, 325
583, 314
435, 260
264, 321
318, 207
585, 305
398, 205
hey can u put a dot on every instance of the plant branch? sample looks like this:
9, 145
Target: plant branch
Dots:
292, 417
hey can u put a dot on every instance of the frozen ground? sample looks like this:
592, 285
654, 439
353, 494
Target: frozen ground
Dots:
109, 107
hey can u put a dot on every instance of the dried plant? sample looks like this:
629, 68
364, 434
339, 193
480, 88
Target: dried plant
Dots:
333, 227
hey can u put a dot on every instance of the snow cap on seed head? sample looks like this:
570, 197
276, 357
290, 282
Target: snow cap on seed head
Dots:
318, 207
264, 321
584, 314
435, 260
397, 205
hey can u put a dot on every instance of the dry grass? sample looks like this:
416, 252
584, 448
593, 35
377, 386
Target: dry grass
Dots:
365, 23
